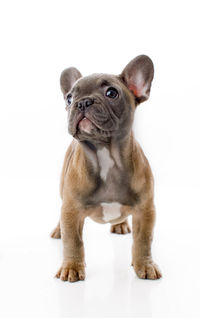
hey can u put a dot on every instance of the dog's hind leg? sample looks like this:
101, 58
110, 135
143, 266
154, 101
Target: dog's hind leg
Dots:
56, 232
121, 228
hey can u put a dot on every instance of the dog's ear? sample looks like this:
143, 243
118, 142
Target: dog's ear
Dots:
67, 79
137, 76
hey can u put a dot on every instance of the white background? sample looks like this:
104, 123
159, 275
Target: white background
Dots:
38, 40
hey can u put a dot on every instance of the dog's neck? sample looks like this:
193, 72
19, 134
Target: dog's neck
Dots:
105, 155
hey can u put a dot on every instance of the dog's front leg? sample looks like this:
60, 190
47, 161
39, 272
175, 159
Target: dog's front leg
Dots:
73, 266
143, 223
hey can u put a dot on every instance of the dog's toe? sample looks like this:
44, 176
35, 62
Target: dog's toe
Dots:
71, 274
148, 271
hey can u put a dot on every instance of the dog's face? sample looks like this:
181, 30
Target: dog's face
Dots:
101, 106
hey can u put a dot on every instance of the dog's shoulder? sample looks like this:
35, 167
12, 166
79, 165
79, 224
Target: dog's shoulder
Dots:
68, 157
142, 180
76, 177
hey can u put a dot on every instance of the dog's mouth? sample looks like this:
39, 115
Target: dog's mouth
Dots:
87, 127
84, 124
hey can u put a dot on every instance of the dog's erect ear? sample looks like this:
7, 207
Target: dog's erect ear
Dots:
67, 79
137, 76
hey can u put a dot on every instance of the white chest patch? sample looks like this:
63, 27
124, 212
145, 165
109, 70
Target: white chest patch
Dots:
105, 162
111, 211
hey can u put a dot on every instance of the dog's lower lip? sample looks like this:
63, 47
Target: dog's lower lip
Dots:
82, 119
85, 124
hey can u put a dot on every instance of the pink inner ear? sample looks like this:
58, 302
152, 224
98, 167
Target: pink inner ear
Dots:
139, 90
138, 85
136, 91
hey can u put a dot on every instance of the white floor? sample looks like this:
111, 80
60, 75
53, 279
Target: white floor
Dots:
29, 258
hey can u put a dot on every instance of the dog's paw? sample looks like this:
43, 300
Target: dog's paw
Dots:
72, 272
56, 233
147, 270
122, 228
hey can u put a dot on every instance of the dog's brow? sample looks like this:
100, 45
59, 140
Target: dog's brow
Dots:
104, 83
76, 89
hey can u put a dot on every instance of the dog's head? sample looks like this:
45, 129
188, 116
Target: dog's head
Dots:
101, 106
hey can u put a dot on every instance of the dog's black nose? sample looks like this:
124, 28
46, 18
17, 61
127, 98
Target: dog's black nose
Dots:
85, 103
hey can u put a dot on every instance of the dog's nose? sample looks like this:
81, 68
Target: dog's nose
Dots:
85, 103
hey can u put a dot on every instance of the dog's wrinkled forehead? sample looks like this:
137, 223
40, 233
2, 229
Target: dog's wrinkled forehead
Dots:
136, 76
88, 85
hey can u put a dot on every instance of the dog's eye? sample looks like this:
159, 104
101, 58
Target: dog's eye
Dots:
69, 99
111, 92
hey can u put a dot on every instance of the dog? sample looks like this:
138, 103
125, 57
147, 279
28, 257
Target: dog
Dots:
106, 175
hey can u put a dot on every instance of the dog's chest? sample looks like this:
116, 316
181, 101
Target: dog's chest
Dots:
113, 196
111, 211
114, 185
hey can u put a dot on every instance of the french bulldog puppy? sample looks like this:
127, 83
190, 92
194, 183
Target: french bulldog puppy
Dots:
106, 175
